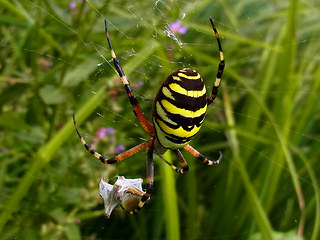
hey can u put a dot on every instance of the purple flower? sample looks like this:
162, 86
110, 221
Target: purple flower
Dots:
176, 28
72, 5
5, 149
119, 149
102, 132
138, 84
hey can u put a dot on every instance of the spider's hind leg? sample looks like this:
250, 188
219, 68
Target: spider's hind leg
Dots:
202, 158
181, 160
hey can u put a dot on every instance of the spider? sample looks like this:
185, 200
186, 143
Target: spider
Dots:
178, 113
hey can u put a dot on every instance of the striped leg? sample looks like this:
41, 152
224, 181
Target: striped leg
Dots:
150, 169
181, 160
148, 127
202, 158
117, 158
220, 68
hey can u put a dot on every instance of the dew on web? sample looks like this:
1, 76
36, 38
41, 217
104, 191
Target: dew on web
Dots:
171, 35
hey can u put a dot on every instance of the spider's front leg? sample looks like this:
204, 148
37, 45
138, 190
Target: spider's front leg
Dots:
148, 127
116, 158
220, 68
150, 170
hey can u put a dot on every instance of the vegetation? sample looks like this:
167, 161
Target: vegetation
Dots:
54, 61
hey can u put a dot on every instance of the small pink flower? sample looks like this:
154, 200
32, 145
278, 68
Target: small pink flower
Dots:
176, 28
72, 5
138, 84
102, 132
44, 63
119, 149
5, 149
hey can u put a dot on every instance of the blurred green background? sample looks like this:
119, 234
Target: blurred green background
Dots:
54, 61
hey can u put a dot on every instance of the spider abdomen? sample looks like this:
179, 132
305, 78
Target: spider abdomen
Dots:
179, 109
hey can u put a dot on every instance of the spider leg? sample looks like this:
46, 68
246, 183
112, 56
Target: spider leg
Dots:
181, 160
116, 158
150, 169
148, 127
220, 68
202, 158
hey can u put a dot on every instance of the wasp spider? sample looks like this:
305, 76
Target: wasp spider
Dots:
178, 113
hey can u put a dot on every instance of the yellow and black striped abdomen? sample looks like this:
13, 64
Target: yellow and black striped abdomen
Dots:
179, 109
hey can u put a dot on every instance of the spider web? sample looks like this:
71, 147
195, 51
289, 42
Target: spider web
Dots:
162, 18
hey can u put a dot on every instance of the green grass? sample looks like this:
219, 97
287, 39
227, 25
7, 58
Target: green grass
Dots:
54, 61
